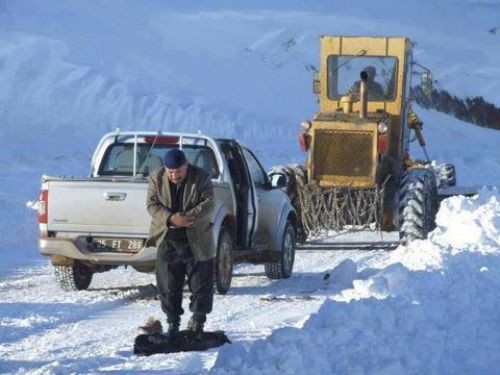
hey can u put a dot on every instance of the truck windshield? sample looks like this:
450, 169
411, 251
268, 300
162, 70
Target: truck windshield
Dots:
119, 159
344, 76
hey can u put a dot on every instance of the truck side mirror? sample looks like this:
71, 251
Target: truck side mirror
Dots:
426, 82
278, 180
316, 83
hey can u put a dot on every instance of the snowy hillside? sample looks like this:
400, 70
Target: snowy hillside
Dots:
70, 71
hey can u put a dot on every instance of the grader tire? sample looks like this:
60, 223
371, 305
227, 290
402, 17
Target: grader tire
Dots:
418, 204
73, 278
446, 175
296, 179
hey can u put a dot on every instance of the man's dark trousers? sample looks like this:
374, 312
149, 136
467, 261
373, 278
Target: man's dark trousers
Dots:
175, 261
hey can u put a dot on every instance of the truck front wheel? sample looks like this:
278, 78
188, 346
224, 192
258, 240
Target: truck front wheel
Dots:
283, 268
73, 278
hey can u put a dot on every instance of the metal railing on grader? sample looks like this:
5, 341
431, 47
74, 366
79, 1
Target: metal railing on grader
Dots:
359, 173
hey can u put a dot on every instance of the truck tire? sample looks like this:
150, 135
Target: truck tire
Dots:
296, 179
446, 175
223, 265
283, 268
417, 204
73, 278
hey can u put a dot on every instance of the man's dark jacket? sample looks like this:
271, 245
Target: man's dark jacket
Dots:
197, 203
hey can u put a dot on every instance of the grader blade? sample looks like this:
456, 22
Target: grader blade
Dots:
340, 246
353, 241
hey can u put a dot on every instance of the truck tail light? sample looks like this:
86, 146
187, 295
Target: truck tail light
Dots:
382, 144
43, 206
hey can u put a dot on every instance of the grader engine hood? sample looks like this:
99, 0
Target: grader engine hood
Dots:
343, 154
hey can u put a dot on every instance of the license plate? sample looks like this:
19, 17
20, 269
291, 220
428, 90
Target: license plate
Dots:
118, 244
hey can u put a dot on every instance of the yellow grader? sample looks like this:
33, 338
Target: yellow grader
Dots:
358, 173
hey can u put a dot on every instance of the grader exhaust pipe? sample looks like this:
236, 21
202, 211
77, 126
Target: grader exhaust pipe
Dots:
363, 95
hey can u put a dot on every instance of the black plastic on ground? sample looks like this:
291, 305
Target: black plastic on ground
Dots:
185, 341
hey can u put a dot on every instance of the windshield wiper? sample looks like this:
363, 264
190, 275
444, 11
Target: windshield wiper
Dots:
360, 53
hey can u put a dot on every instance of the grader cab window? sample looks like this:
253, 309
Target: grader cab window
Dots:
344, 76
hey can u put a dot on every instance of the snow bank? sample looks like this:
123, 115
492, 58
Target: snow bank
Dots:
470, 224
431, 308
462, 224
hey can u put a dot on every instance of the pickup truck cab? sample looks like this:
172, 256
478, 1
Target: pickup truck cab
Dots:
94, 224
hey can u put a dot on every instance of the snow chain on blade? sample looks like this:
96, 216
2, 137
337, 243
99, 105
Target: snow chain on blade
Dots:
346, 209
339, 209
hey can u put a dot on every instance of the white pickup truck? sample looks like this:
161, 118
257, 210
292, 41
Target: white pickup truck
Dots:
94, 224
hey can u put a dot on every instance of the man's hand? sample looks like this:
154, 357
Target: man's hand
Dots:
181, 220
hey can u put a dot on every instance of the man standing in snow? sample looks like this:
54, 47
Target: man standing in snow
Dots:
180, 199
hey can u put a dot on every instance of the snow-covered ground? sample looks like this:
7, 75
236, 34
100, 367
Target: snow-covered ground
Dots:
70, 71
430, 308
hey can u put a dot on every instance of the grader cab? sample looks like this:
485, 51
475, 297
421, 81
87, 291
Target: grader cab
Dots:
358, 173
352, 133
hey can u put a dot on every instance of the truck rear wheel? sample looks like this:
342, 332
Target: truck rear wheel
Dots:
224, 262
73, 278
417, 204
283, 268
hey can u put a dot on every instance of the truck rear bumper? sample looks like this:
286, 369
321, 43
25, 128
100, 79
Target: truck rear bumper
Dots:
67, 248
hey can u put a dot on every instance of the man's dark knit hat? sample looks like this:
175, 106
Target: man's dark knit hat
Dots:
174, 158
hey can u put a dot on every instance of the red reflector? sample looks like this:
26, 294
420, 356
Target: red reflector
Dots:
43, 206
304, 146
161, 140
382, 144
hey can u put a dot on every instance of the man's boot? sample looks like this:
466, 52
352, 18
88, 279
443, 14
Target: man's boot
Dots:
196, 324
173, 329
159, 338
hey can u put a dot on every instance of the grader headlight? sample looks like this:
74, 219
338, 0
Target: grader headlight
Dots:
382, 127
305, 125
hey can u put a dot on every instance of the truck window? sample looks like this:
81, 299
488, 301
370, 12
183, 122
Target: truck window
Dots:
259, 176
119, 159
